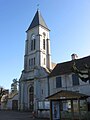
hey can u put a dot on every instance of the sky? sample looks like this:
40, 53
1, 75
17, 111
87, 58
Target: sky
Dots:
68, 20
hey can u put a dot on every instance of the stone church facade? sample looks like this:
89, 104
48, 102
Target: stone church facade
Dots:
33, 83
41, 79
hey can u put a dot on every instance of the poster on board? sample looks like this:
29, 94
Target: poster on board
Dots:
47, 104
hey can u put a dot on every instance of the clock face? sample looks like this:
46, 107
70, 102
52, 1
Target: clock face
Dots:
33, 36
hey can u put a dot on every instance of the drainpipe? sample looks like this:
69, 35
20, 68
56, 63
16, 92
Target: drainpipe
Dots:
66, 81
48, 85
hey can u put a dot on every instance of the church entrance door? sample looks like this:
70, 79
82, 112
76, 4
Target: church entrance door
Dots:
31, 98
14, 104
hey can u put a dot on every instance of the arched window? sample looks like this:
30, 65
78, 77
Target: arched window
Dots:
33, 42
44, 44
44, 34
32, 62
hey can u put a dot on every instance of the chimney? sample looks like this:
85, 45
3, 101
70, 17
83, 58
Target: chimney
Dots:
74, 56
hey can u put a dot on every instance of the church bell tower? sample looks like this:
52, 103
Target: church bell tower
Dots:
37, 64
37, 49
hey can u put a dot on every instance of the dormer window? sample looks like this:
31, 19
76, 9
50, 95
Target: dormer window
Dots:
33, 42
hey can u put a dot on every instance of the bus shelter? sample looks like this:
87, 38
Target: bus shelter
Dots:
68, 105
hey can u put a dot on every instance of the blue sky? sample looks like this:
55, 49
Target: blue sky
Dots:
68, 20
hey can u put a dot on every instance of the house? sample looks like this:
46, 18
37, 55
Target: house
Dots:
12, 103
68, 89
9, 100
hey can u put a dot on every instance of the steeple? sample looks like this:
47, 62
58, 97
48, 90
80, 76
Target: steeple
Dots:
37, 20
37, 48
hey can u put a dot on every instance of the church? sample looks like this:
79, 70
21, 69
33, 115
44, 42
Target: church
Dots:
41, 80
34, 82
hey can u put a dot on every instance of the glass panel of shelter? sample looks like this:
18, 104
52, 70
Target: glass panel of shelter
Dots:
63, 109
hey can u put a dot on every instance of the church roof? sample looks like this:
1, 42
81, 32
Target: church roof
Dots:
38, 20
66, 67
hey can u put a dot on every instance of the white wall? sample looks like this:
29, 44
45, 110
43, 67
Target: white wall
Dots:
9, 104
83, 87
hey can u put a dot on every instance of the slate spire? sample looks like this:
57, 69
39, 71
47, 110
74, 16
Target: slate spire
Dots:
37, 20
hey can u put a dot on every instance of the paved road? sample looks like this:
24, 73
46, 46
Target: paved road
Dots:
14, 115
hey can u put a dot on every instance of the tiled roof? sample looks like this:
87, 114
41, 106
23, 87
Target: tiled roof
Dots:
66, 67
64, 94
37, 20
